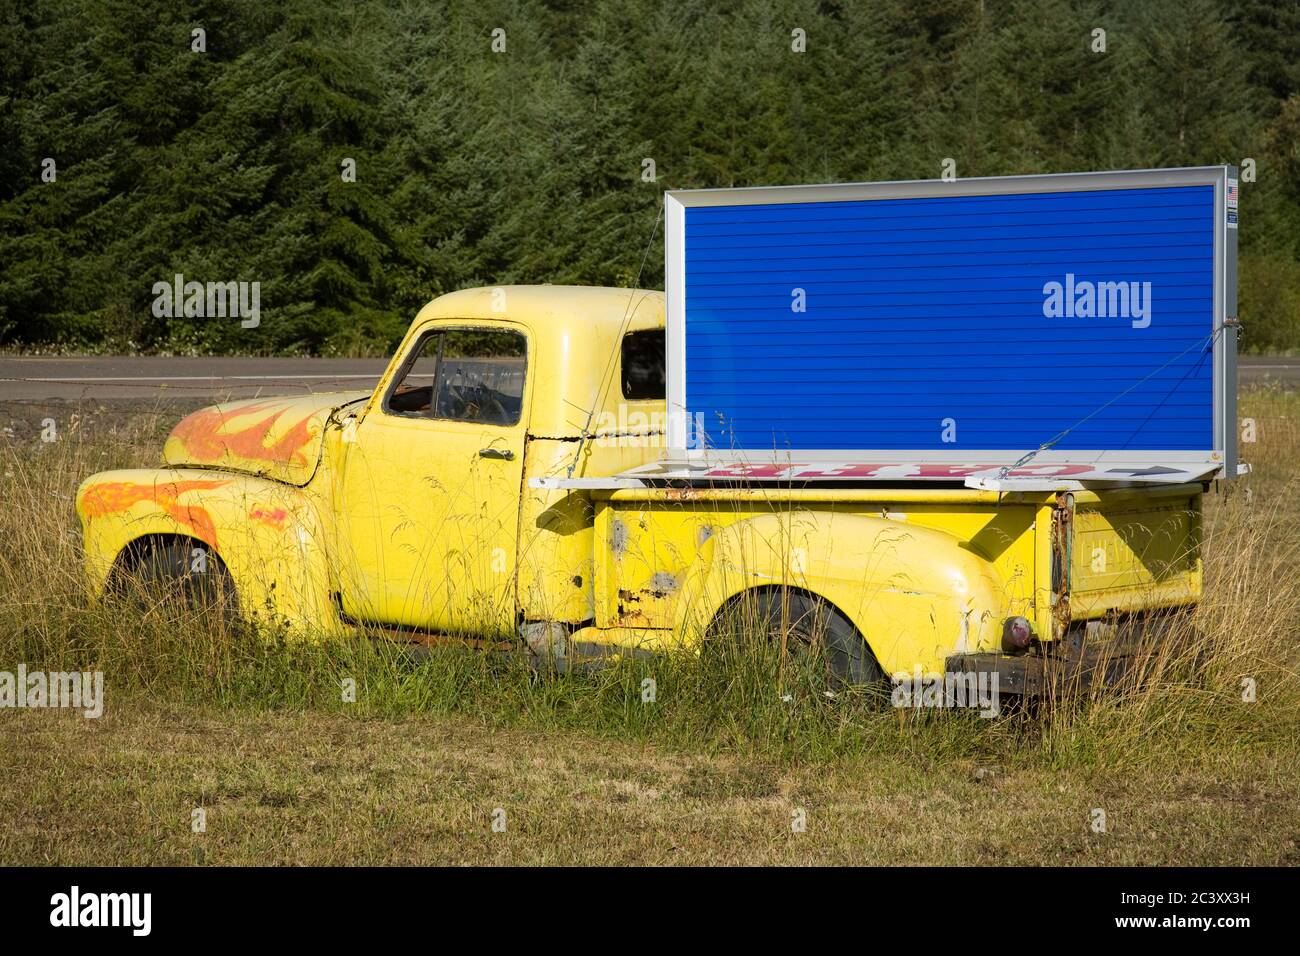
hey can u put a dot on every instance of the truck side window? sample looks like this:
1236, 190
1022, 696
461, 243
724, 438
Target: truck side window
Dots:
464, 375
643, 365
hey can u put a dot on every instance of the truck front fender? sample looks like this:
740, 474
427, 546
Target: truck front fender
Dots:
268, 535
915, 594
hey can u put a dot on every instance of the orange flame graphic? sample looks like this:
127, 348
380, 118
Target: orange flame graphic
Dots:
203, 437
115, 496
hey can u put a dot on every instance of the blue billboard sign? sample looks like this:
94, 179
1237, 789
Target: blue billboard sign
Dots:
1072, 315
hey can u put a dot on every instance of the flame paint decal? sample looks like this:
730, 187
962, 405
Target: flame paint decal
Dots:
118, 496
271, 517
207, 438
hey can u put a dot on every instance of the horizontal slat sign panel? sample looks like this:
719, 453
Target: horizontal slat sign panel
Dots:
1068, 316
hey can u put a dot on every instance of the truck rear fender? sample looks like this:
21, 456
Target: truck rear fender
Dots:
915, 594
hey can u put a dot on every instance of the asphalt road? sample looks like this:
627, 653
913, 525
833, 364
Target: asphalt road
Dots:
39, 378
1258, 369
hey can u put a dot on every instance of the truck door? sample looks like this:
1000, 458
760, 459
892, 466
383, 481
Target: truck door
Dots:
430, 489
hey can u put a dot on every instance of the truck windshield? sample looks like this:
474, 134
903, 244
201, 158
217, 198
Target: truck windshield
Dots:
463, 375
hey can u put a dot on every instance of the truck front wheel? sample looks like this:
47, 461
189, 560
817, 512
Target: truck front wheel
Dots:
178, 570
809, 630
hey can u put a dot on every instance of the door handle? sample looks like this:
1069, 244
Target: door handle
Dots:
505, 454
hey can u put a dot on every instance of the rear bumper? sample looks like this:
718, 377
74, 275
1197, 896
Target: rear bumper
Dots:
1093, 654
1039, 675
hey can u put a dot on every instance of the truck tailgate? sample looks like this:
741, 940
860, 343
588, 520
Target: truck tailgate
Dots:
1133, 552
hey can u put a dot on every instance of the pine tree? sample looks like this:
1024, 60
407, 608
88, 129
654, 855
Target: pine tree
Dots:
479, 167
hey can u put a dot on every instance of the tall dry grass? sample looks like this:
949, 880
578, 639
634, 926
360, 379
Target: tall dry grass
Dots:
749, 699
1229, 675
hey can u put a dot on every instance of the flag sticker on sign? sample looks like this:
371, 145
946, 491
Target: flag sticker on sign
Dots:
1232, 203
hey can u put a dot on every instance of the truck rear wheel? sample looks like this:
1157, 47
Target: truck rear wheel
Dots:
810, 630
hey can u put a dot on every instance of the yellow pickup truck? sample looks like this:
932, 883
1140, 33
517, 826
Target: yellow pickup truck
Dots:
476, 493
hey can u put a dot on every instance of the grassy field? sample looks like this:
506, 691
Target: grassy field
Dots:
729, 764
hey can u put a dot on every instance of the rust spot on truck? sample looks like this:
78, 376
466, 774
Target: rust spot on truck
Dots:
630, 616
1062, 548
629, 611
632, 609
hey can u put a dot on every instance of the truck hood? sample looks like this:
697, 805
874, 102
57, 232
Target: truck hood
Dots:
277, 438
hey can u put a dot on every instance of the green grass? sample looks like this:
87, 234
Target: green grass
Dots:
288, 787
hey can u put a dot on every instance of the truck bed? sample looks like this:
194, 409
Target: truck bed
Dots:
1056, 558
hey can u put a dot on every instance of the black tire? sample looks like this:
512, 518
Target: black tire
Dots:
176, 571
807, 627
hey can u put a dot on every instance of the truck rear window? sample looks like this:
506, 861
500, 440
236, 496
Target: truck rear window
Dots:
643, 365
